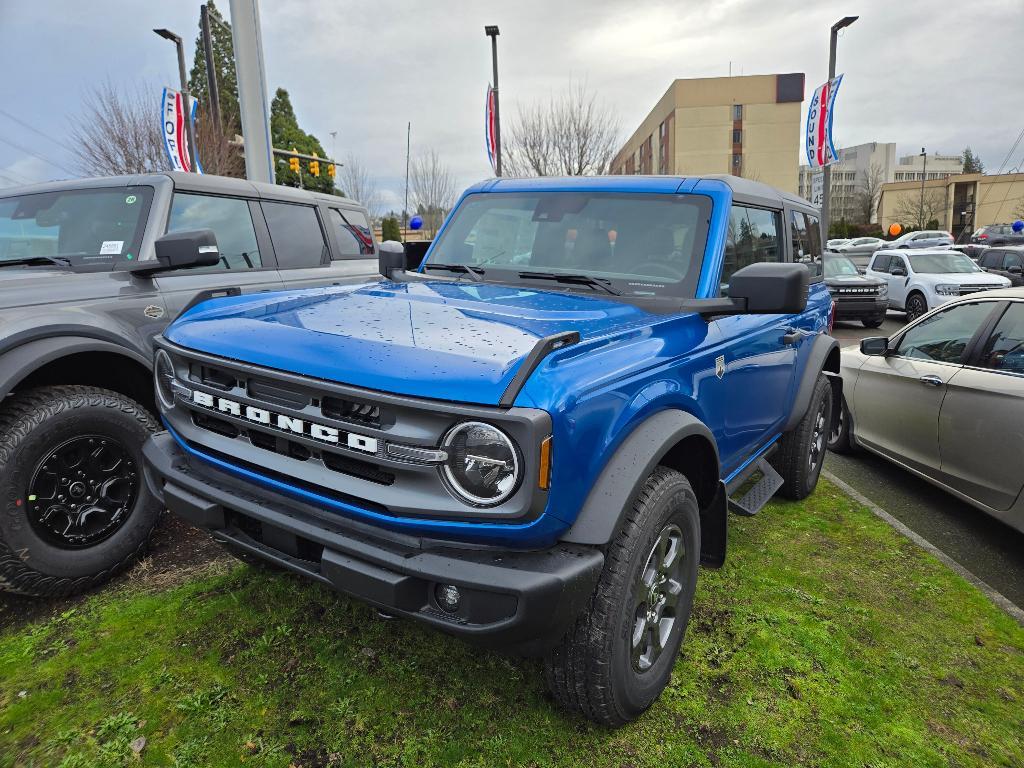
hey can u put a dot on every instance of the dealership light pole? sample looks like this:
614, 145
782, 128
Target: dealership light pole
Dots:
491, 30
924, 175
186, 100
826, 173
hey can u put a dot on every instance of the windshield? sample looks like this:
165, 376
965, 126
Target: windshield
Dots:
641, 244
942, 263
839, 265
84, 226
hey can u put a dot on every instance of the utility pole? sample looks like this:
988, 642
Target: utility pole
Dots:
252, 90
491, 31
211, 69
826, 173
186, 98
405, 208
924, 175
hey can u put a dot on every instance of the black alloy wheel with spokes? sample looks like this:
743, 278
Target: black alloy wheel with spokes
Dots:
916, 306
74, 508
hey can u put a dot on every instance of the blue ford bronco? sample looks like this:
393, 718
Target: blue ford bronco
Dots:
530, 436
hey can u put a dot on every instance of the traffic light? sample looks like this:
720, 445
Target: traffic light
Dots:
293, 163
314, 166
331, 170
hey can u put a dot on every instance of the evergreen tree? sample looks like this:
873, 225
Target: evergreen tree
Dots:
972, 162
390, 230
224, 66
286, 134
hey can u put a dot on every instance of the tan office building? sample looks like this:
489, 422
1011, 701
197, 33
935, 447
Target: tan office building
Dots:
747, 126
959, 203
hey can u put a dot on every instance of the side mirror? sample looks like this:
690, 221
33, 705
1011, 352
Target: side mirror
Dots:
898, 272
183, 250
415, 250
766, 288
390, 258
877, 346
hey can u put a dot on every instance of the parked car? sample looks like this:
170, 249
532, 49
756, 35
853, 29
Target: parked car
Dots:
924, 279
924, 239
943, 399
90, 272
531, 438
971, 250
859, 250
1007, 261
997, 234
857, 296
836, 242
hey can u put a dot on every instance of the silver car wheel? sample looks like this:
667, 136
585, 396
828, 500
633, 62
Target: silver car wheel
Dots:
657, 598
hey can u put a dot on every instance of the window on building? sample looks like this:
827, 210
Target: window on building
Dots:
753, 236
647, 156
230, 220
737, 137
737, 164
295, 230
665, 131
737, 112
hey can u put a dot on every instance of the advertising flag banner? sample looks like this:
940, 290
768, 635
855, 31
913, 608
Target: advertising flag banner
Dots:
489, 138
818, 140
172, 116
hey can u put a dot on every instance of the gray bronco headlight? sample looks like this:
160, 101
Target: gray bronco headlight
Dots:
482, 466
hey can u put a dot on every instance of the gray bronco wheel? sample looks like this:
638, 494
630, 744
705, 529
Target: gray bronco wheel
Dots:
801, 451
74, 508
618, 656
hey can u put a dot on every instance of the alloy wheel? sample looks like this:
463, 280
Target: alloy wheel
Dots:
658, 591
817, 439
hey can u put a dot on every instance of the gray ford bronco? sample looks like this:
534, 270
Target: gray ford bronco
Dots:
91, 271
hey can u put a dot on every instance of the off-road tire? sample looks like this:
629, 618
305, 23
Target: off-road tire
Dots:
839, 437
31, 423
793, 458
873, 322
591, 671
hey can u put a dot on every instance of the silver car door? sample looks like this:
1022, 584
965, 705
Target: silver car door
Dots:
981, 424
897, 397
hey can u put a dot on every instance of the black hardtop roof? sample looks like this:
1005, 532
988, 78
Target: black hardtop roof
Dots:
190, 182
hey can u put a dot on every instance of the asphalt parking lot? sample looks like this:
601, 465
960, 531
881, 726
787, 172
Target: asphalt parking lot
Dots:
989, 549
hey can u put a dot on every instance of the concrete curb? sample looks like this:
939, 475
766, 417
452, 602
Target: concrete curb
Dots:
991, 593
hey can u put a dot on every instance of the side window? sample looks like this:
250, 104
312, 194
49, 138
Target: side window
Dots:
880, 262
230, 220
354, 233
753, 236
1004, 350
1012, 260
992, 259
295, 230
814, 238
944, 336
798, 230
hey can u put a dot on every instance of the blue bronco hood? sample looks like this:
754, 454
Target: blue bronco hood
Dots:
462, 342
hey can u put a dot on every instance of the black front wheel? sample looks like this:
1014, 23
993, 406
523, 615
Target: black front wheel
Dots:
76, 509
801, 452
618, 656
873, 322
916, 306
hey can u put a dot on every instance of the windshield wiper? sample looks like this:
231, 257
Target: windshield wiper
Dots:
593, 282
476, 275
58, 260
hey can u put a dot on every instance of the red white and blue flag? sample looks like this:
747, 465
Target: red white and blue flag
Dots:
818, 140
489, 129
172, 118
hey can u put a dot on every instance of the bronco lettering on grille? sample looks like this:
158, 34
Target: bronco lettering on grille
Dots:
286, 423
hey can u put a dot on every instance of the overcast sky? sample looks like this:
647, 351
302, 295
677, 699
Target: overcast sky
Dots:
918, 72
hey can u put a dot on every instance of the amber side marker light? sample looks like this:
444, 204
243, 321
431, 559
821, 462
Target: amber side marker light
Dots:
544, 475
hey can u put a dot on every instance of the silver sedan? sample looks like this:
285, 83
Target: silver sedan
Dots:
944, 399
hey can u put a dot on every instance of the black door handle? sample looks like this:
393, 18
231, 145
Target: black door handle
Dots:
792, 337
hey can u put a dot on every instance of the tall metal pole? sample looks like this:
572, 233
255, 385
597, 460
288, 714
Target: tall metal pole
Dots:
211, 69
186, 99
924, 175
492, 32
826, 173
405, 208
252, 90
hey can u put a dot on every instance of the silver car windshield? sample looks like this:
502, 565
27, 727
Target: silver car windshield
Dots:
942, 263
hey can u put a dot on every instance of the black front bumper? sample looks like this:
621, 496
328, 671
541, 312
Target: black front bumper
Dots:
509, 598
860, 308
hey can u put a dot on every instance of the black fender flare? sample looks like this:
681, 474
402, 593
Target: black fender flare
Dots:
22, 360
823, 357
624, 475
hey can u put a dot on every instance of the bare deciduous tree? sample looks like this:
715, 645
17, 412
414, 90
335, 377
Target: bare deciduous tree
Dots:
913, 209
870, 189
118, 132
433, 189
574, 134
216, 155
358, 185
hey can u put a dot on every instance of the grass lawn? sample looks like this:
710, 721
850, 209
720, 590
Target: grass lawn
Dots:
827, 640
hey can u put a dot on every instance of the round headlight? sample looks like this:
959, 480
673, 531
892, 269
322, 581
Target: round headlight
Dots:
163, 379
482, 466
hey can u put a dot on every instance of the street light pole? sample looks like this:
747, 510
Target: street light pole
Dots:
826, 173
924, 175
185, 97
491, 31
211, 68
405, 208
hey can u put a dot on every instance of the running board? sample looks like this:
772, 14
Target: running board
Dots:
760, 493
